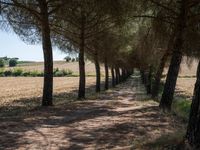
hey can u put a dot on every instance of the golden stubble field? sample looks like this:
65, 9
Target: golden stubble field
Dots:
187, 77
73, 66
17, 88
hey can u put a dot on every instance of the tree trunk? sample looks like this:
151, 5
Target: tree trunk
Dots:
142, 76
158, 76
81, 92
106, 75
149, 80
193, 129
169, 88
117, 75
120, 75
98, 76
113, 77
123, 74
47, 99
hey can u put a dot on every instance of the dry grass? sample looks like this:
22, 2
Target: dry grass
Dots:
187, 77
73, 66
117, 119
16, 88
186, 85
188, 68
26, 88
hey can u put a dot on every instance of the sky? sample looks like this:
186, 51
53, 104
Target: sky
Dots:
12, 46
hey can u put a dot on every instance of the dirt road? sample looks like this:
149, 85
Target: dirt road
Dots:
121, 118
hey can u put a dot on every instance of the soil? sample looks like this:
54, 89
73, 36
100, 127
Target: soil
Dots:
118, 119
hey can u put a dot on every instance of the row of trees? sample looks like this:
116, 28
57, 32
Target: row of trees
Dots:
70, 59
12, 62
171, 33
122, 35
70, 25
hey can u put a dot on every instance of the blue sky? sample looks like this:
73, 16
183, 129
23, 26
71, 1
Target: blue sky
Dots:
12, 46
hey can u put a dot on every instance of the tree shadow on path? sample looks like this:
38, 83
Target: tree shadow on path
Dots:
115, 120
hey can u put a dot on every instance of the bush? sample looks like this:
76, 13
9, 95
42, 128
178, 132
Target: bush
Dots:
59, 74
8, 73
36, 74
67, 72
1, 72
63, 72
26, 73
12, 63
55, 70
181, 107
73, 59
20, 72
17, 72
67, 59
2, 63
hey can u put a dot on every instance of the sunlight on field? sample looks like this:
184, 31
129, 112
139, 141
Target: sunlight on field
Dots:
16, 88
186, 85
73, 66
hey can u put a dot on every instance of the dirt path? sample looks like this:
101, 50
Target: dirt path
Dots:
119, 119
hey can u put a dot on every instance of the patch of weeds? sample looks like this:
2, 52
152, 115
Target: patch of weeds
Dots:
62, 72
181, 107
137, 144
167, 141
1, 72
17, 72
93, 96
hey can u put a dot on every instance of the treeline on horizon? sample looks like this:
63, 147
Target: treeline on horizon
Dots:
122, 35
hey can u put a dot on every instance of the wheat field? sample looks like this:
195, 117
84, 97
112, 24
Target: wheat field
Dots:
17, 88
73, 66
187, 77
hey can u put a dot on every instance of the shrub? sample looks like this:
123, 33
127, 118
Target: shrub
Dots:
63, 72
1, 72
26, 73
2, 63
55, 70
73, 59
8, 73
17, 72
36, 73
67, 72
67, 59
40, 74
12, 63
59, 74
181, 108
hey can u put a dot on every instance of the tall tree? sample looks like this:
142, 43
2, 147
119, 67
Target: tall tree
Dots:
169, 88
31, 21
82, 21
193, 129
